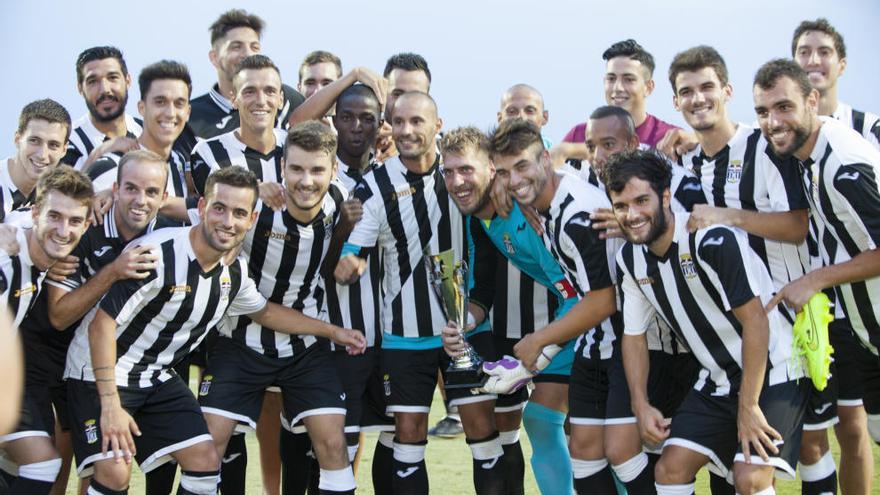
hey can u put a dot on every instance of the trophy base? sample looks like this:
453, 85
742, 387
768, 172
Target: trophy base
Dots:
472, 377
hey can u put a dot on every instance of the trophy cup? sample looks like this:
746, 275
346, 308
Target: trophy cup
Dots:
448, 279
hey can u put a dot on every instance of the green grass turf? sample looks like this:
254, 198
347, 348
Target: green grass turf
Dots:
449, 466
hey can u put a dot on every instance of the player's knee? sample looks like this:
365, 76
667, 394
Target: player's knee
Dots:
851, 431
752, 479
331, 447
814, 444
618, 452
202, 456
114, 476
669, 472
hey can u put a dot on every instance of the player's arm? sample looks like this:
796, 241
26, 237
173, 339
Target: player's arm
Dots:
12, 370
317, 105
288, 320
351, 211
352, 258
66, 306
784, 226
117, 425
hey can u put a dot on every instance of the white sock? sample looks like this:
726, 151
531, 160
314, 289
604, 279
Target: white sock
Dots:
686, 489
41, 471
337, 480
818, 471
631, 469
584, 469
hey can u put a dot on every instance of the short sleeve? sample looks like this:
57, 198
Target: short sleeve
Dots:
248, 299
638, 312
583, 244
727, 256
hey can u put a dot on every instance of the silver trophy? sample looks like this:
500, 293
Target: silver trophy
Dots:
448, 278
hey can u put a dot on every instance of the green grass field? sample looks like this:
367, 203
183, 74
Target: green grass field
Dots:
449, 466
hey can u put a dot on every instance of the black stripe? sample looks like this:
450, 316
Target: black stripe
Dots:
395, 224
719, 176
421, 285
526, 304
858, 120
256, 261
219, 153
499, 306
87, 143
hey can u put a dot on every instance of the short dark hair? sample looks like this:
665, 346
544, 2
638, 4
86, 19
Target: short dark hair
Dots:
67, 181
618, 112
822, 25
696, 58
512, 137
357, 91
141, 156
409, 62
98, 53
630, 48
46, 109
772, 71
235, 18
233, 176
647, 165
463, 139
317, 57
311, 135
163, 69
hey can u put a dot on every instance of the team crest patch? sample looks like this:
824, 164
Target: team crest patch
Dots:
91, 431
687, 265
205, 386
508, 245
386, 383
225, 287
734, 171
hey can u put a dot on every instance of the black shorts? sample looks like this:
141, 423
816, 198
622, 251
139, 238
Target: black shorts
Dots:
410, 376
707, 424
361, 378
670, 378
167, 415
236, 379
598, 393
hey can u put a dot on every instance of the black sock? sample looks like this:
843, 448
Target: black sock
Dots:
195, 482
160, 481
488, 465
827, 484
295, 467
27, 486
599, 482
636, 476
314, 474
720, 486
383, 467
514, 468
233, 468
410, 473
820, 477
6, 480
94, 486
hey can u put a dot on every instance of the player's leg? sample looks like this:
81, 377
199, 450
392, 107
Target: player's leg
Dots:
328, 442
587, 400
62, 437
676, 470
450, 425
110, 478
623, 444
269, 438
508, 423
544, 420
38, 463
375, 418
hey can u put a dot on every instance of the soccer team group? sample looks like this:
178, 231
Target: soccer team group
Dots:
632, 289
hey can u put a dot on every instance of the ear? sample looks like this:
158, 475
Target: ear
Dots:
842, 64
649, 87
675, 101
667, 199
546, 118
212, 56
439, 124
128, 81
116, 191
812, 102
499, 117
17, 139
727, 90
141, 106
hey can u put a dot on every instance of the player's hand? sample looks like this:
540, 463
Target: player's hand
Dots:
374, 81
8, 240
677, 143
385, 148
653, 427
454, 342
101, 205
350, 213
272, 195
63, 268
795, 294
753, 432
349, 269
500, 197
533, 218
117, 427
561, 152
603, 219
704, 215
121, 144
527, 351
135, 263
353, 340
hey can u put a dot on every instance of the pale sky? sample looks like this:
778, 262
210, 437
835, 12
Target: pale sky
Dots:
476, 48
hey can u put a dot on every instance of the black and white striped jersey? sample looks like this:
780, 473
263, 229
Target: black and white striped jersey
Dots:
20, 280
521, 304
585, 259
406, 213
694, 288
226, 150
165, 316
11, 198
284, 260
841, 176
747, 175
103, 173
99, 246
865, 123
84, 138
357, 306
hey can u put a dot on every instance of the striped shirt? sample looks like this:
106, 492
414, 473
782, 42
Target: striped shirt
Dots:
694, 288
405, 214
227, 150
746, 175
357, 306
865, 123
165, 316
11, 198
584, 257
85, 137
20, 280
98, 247
841, 177
104, 170
284, 259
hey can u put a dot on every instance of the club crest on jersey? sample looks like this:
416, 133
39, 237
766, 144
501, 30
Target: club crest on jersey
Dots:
687, 265
508, 245
386, 384
225, 287
91, 431
28, 289
205, 386
734, 171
